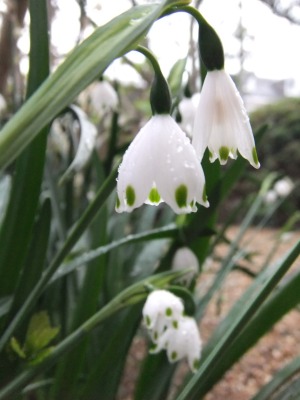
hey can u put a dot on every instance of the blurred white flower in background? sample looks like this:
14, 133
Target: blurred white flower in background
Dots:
281, 189
187, 108
99, 98
284, 186
184, 258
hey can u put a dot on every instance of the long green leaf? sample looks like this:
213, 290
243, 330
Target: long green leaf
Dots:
86, 63
74, 365
35, 261
257, 293
17, 226
107, 368
159, 233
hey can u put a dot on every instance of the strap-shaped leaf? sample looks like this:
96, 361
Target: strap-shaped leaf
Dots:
86, 63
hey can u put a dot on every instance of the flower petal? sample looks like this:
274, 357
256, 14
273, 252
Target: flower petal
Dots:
179, 176
136, 177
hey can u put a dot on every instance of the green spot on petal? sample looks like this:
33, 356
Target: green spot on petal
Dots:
181, 196
196, 363
154, 196
224, 153
155, 336
168, 312
173, 355
153, 347
254, 156
148, 320
130, 195
175, 324
118, 202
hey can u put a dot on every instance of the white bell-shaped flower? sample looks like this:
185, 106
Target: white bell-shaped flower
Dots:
181, 341
161, 310
161, 165
221, 121
184, 258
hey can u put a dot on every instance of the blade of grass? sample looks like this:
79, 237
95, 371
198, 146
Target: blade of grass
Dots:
159, 233
17, 226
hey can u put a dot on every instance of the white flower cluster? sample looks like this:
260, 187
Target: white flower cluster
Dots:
170, 330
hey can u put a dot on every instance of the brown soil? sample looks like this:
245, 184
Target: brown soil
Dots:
270, 354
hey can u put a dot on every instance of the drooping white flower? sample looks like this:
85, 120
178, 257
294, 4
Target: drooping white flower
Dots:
270, 197
161, 165
161, 310
221, 122
184, 258
181, 341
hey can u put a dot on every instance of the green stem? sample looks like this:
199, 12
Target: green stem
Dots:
102, 195
151, 57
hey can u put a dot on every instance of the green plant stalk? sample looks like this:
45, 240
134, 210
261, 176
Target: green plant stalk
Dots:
195, 386
103, 193
129, 296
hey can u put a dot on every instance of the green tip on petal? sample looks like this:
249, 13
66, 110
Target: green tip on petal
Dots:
118, 203
181, 196
130, 195
168, 312
196, 364
224, 153
254, 156
175, 324
148, 320
204, 196
154, 196
173, 355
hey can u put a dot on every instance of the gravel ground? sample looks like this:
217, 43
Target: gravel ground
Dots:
271, 353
